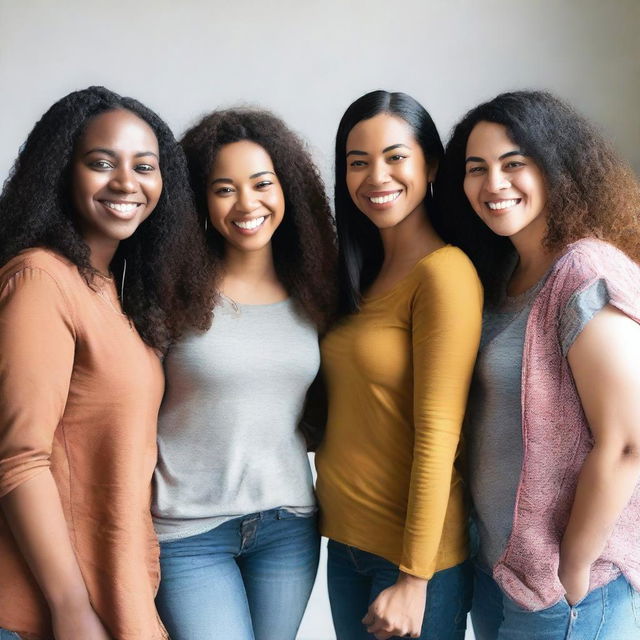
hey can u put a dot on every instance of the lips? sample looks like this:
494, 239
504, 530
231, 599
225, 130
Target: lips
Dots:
122, 210
499, 205
249, 225
383, 197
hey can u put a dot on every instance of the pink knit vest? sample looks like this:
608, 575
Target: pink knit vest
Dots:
556, 437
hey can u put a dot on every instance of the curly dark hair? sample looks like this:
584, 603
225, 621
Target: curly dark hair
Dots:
304, 248
162, 269
360, 246
591, 192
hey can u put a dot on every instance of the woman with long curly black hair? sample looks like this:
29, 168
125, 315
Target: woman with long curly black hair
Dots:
95, 279
554, 417
234, 506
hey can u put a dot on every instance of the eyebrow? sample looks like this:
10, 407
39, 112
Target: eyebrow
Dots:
113, 154
251, 177
517, 152
357, 152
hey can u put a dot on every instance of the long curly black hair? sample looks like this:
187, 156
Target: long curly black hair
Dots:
163, 272
360, 247
590, 191
304, 248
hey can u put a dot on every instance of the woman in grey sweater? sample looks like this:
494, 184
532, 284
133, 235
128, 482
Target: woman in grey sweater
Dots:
234, 506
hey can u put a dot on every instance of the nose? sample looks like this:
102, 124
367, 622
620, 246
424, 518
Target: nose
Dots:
123, 180
496, 181
378, 173
246, 202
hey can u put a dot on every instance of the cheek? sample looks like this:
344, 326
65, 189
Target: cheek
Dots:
156, 190
471, 191
352, 186
218, 210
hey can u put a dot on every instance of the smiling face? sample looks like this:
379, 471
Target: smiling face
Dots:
244, 196
115, 179
387, 172
505, 187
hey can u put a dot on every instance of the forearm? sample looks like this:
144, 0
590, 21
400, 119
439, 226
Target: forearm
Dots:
605, 485
35, 516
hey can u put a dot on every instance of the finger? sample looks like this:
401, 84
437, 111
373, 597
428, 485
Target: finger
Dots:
383, 635
369, 617
378, 626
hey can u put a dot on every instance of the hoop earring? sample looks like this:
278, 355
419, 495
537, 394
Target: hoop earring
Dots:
431, 190
124, 273
206, 224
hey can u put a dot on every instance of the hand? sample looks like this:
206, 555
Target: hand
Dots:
575, 581
83, 623
398, 610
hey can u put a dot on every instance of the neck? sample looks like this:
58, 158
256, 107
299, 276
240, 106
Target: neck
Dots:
102, 254
410, 239
534, 259
250, 267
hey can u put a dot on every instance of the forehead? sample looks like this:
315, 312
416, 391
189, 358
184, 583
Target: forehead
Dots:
241, 159
119, 129
488, 139
379, 132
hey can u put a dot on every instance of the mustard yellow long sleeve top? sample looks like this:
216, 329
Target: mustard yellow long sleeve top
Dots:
398, 375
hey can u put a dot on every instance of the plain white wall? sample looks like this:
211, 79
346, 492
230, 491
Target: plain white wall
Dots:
308, 59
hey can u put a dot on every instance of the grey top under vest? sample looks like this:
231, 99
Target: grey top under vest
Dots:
228, 443
494, 417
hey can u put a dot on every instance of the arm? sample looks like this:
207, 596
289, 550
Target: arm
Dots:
447, 319
36, 359
605, 362
36, 519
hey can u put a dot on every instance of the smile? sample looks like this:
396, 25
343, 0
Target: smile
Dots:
389, 197
503, 204
121, 207
249, 224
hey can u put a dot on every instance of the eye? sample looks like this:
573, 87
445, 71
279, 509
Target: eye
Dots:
477, 170
223, 191
145, 168
514, 164
263, 184
358, 163
101, 164
396, 157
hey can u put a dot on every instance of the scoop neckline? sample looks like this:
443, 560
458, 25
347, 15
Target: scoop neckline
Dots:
244, 305
404, 279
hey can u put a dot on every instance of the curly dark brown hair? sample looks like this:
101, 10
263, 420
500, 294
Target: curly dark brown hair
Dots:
591, 192
163, 272
304, 248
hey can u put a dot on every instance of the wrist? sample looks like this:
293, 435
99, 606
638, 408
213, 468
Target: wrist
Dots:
68, 601
411, 581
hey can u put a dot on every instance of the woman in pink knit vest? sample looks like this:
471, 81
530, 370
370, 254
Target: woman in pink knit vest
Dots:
554, 415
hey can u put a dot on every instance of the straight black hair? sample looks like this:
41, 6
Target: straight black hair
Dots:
360, 247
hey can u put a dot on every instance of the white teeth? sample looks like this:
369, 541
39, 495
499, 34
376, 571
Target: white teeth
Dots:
383, 199
249, 224
503, 204
122, 208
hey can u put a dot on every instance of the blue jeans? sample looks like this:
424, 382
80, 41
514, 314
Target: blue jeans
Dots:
356, 578
248, 579
8, 635
609, 613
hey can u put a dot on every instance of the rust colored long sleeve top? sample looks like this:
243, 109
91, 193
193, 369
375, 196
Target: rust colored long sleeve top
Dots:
398, 374
79, 397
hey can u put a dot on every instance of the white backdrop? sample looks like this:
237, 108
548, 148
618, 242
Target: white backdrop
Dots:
308, 59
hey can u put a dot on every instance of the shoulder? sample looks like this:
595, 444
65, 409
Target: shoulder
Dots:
41, 276
590, 258
43, 260
447, 269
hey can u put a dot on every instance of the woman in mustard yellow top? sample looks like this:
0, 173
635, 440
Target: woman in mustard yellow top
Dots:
397, 367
